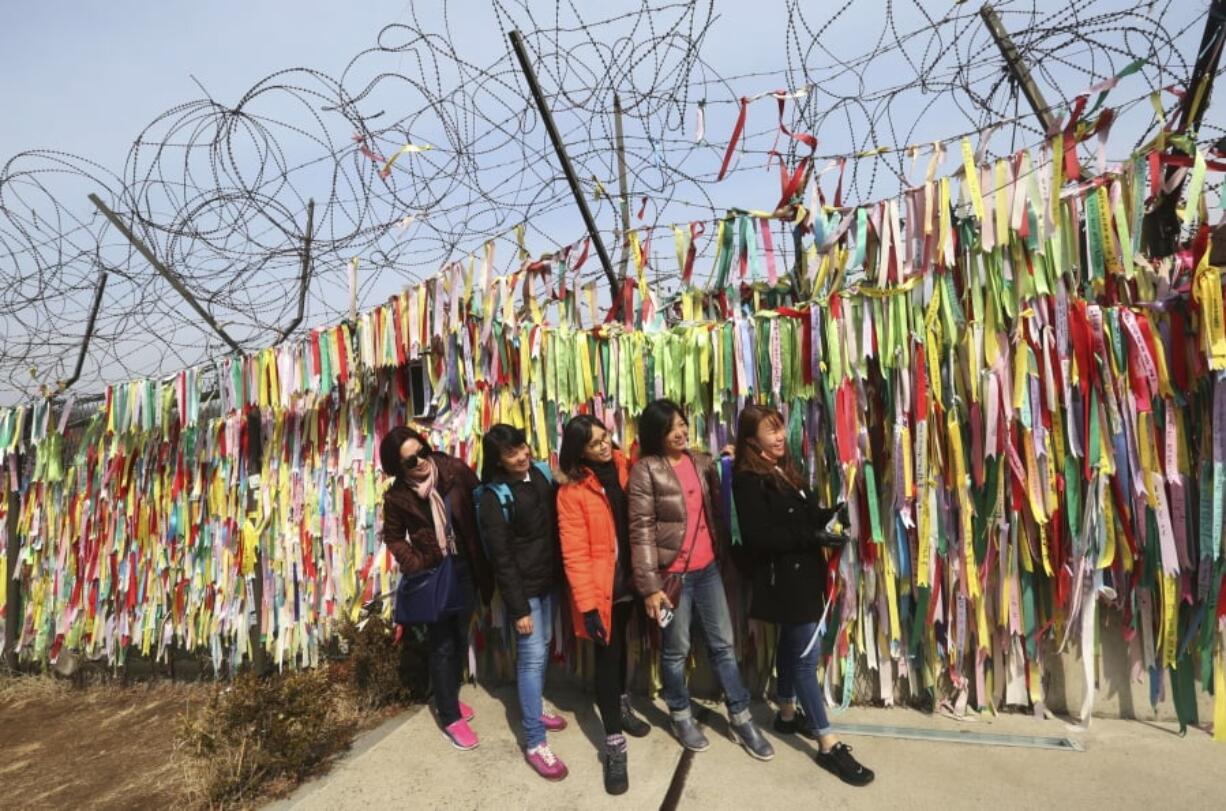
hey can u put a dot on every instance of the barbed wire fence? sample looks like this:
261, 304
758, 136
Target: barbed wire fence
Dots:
420, 151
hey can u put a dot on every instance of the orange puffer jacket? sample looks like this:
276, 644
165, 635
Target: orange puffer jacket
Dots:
589, 544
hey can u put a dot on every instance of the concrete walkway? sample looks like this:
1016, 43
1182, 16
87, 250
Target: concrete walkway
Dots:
407, 763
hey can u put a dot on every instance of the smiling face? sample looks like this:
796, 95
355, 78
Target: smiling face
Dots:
599, 447
772, 439
517, 460
677, 440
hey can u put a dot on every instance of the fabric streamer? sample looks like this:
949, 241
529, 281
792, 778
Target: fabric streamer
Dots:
1019, 425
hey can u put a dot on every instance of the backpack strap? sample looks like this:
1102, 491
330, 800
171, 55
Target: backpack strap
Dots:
505, 500
502, 492
545, 470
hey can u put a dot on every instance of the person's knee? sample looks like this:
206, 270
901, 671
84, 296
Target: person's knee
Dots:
722, 651
533, 652
719, 640
443, 647
673, 656
676, 647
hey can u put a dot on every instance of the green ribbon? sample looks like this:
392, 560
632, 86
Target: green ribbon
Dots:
729, 356
723, 259
1094, 236
870, 488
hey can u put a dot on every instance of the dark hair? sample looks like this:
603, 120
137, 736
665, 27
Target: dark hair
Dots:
749, 452
389, 448
497, 440
575, 436
654, 424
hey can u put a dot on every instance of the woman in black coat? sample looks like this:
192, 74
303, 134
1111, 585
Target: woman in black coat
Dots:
515, 511
783, 528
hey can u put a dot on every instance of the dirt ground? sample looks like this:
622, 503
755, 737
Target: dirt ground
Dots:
101, 747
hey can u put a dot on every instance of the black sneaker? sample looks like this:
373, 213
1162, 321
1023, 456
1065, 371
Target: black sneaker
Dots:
616, 776
796, 726
631, 724
839, 762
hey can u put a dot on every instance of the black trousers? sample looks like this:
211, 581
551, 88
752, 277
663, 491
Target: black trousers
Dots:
447, 647
611, 670
447, 641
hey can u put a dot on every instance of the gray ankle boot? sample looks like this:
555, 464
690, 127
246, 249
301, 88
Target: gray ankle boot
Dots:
745, 732
686, 730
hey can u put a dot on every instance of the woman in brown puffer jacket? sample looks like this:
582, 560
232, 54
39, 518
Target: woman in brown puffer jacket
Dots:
673, 530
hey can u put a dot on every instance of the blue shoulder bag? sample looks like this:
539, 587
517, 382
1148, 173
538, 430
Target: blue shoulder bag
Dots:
424, 597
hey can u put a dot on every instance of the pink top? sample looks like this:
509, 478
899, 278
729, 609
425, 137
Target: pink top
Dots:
697, 534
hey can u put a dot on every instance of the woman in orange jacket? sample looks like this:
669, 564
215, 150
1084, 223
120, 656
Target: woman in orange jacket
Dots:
595, 531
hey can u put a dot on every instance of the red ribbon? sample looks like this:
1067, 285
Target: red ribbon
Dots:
697, 229
736, 136
804, 138
587, 243
1072, 167
1187, 160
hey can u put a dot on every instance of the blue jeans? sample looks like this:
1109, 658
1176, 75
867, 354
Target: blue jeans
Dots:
702, 593
532, 657
796, 672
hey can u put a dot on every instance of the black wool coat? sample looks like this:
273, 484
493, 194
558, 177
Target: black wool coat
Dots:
778, 525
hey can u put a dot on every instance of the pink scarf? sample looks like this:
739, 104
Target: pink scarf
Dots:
422, 479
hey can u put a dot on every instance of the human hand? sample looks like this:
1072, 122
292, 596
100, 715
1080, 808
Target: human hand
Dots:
523, 625
654, 602
595, 627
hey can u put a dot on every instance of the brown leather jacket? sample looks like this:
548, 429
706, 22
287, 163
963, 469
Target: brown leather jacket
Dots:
408, 528
658, 519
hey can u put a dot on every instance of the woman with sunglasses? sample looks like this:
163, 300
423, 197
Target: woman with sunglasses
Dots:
430, 500
595, 533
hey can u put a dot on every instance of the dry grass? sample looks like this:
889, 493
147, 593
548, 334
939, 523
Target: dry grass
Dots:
265, 734
18, 691
379, 673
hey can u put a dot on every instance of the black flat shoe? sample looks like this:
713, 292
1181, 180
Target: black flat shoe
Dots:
839, 762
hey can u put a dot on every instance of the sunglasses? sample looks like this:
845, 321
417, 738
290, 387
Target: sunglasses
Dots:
411, 461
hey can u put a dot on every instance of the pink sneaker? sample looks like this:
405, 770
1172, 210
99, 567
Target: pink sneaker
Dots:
553, 722
461, 735
466, 712
545, 762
